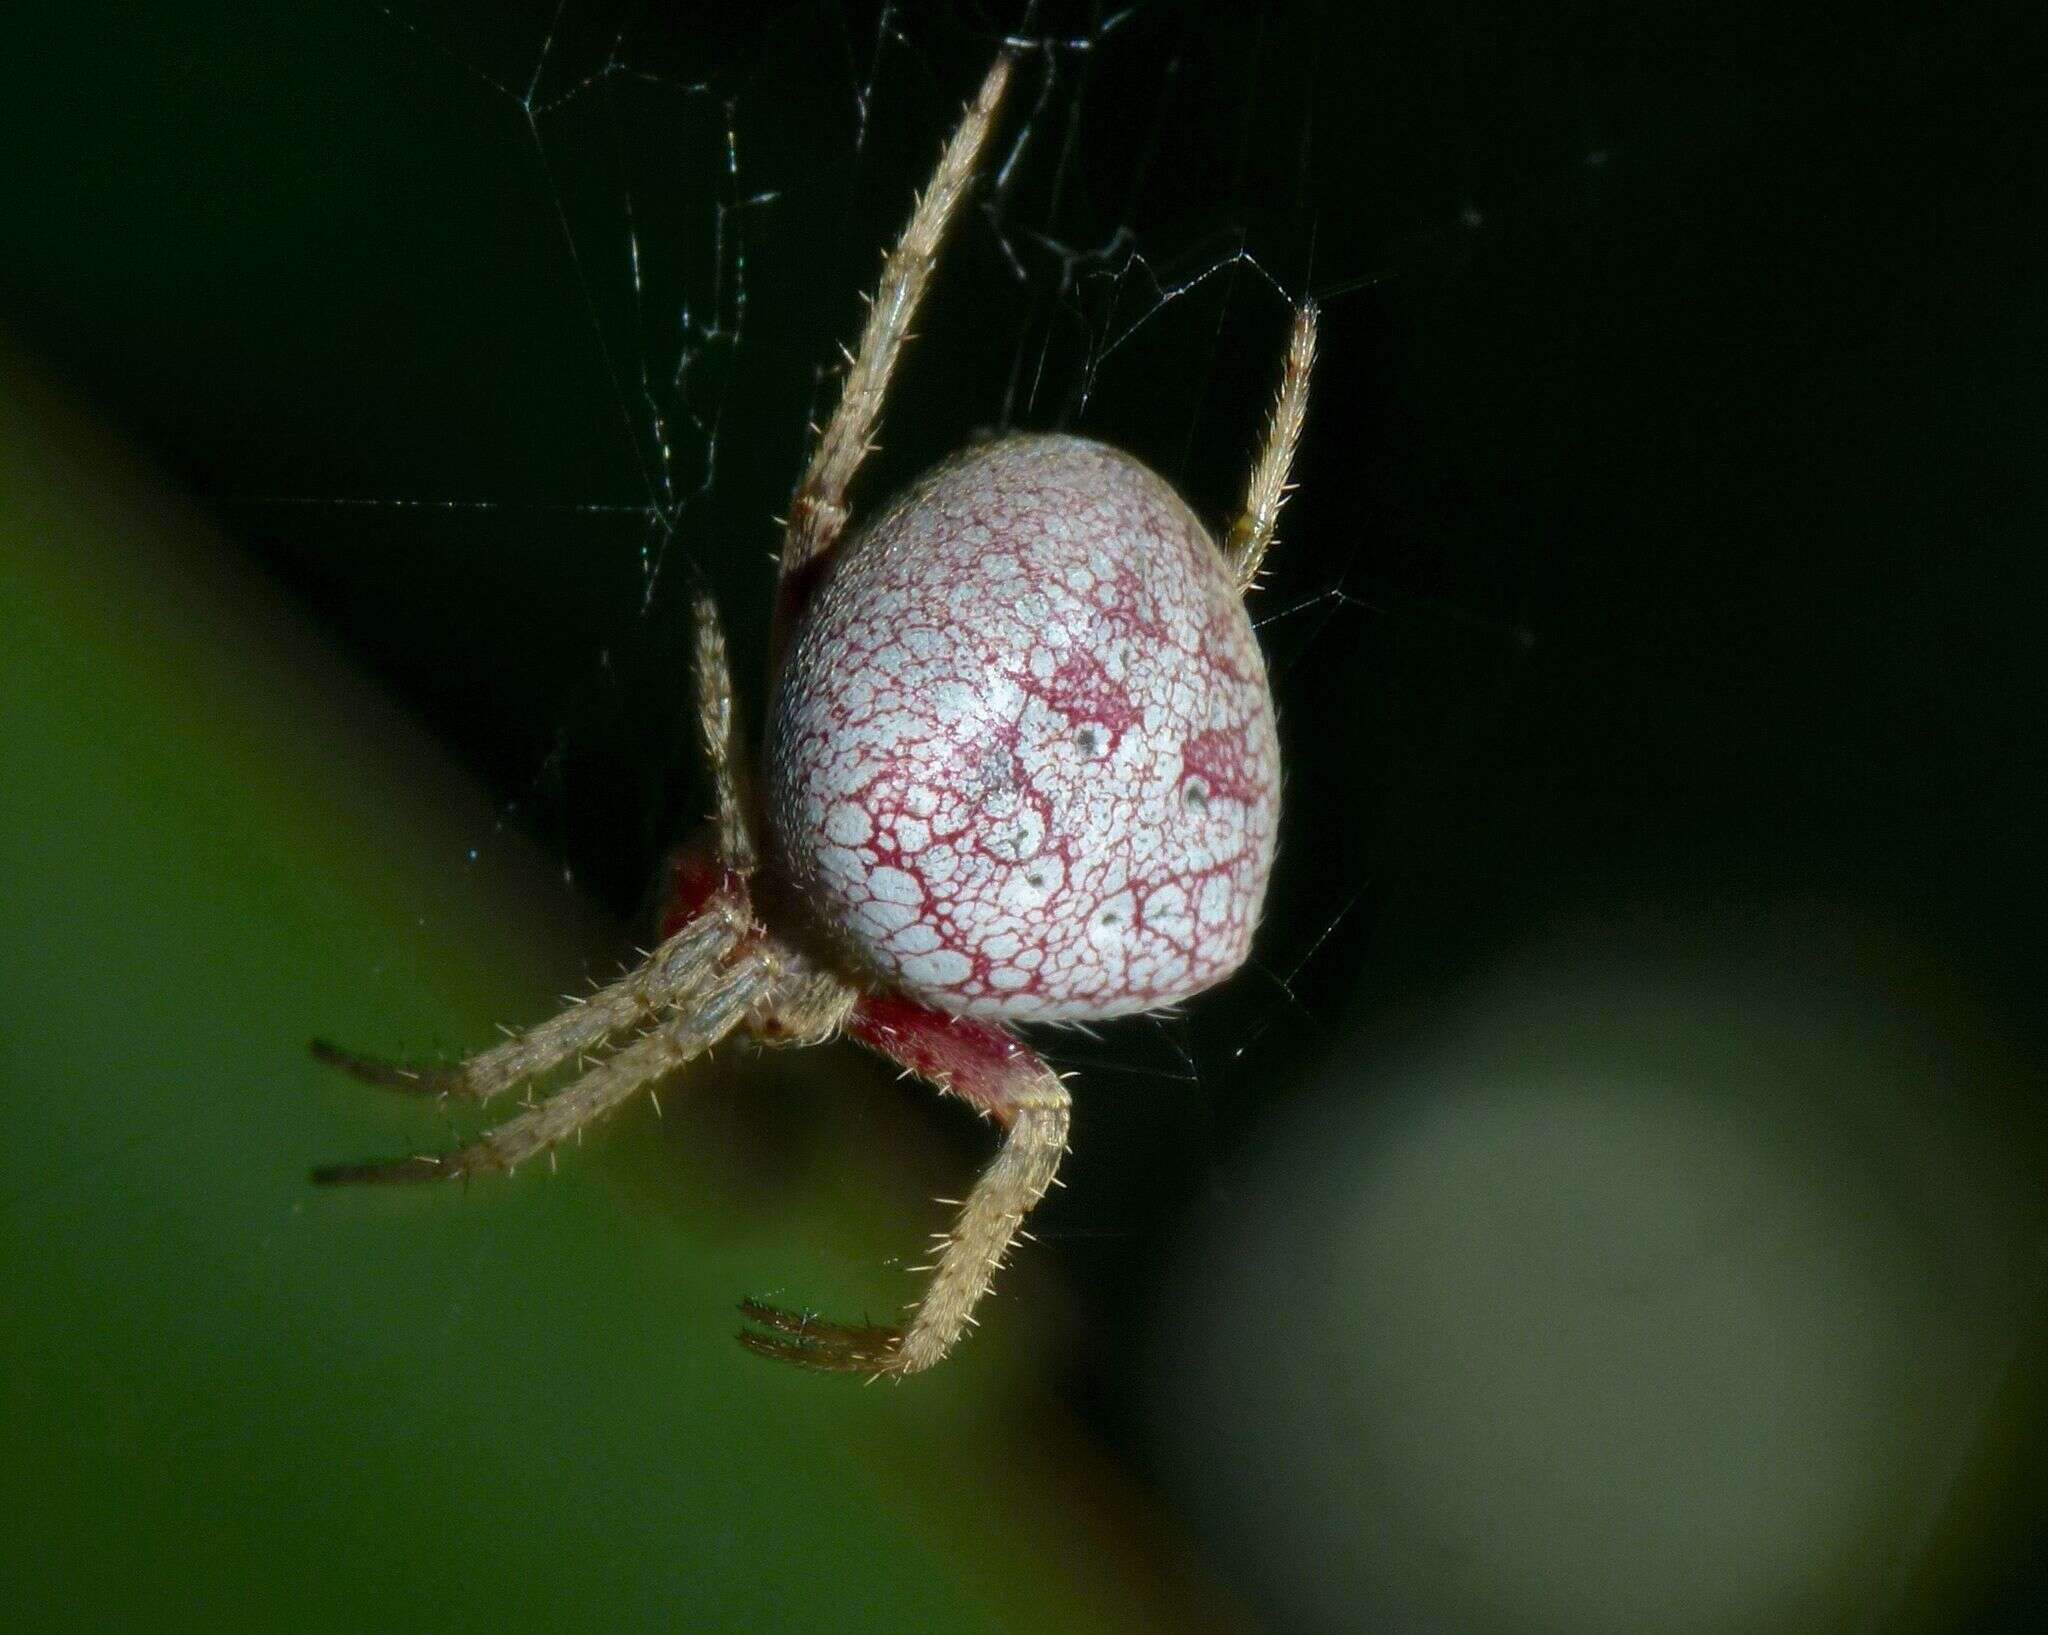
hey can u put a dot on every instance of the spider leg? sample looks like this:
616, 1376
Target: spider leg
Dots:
1267, 489
672, 970
810, 1007
712, 1011
717, 724
818, 510
1006, 1080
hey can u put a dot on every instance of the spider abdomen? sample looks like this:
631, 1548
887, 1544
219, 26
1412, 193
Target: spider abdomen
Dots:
1021, 760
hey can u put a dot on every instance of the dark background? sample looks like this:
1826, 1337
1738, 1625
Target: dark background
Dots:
1668, 541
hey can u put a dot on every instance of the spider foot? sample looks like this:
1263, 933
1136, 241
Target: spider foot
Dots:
423, 1168
414, 1081
812, 1342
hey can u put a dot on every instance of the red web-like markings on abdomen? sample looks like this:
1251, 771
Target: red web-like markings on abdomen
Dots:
1082, 690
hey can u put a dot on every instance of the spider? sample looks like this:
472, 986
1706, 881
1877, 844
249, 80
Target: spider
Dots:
1020, 765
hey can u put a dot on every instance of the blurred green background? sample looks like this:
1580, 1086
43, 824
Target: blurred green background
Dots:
1612, 1201
232, 1401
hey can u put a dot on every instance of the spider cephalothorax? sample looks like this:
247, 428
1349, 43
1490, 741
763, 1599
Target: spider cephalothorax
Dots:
1020, 765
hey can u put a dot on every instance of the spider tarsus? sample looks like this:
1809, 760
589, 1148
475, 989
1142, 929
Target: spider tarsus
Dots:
389, 1170
812, 1342
786, 1322
412, 1081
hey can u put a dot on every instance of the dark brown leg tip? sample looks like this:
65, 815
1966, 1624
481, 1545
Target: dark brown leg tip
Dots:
812, 1342
399, 1170
413, 1081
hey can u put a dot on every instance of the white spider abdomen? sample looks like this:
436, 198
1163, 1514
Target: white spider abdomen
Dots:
1021, 761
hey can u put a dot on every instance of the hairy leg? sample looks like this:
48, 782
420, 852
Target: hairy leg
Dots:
810, 1006
718, 725
716, 1007
1267, 489
672, 971
818, 510
1008, 1082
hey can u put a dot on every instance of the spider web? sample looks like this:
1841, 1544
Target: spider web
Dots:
588, 292
654, 169
691, 212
